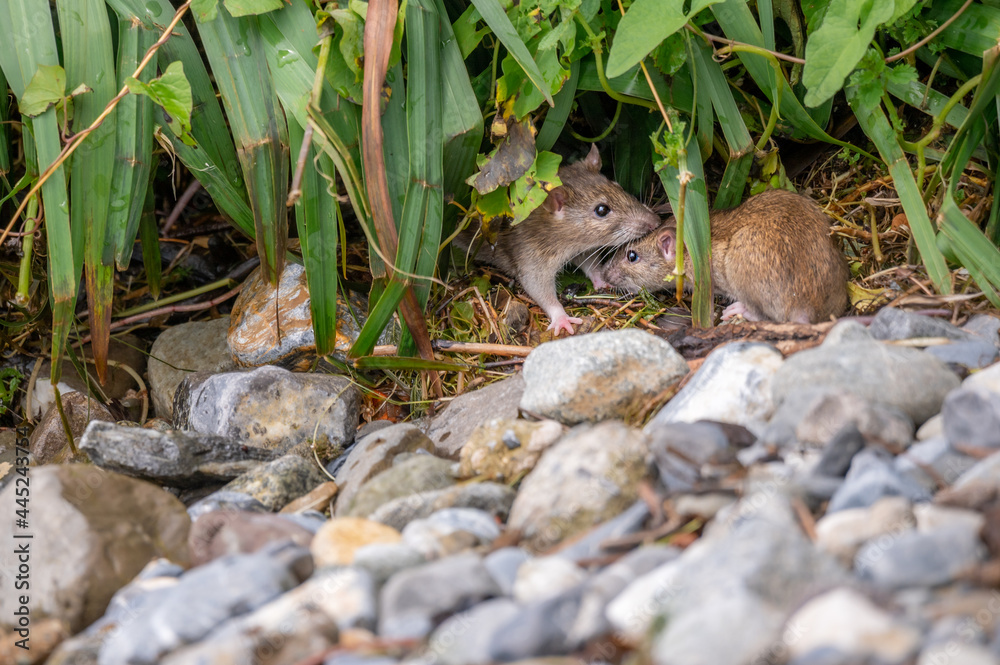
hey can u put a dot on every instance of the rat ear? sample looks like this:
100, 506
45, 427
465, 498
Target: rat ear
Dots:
555, 201
668, 244
593, 158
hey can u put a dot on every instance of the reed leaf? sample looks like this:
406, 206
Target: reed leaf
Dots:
32, 43
149, 239
4, 132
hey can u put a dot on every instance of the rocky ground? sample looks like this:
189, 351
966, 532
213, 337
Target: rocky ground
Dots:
840, 505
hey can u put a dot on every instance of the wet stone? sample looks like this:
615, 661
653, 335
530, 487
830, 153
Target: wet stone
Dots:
175, 458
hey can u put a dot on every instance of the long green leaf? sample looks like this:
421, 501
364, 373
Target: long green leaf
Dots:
555, 118
501, 26
235, 51
32, 43
149, 237
979, 256
4, 133
876, 126
133, 146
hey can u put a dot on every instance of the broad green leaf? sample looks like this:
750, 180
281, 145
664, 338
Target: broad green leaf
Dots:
501, 26
465, 30
644, 26
529, 191
46, 89
249, 7
839, 44
204, 10
173, 92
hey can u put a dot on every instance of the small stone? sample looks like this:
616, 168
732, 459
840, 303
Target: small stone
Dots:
47, 442
415, 600
892, 323
590, 475
451, 428
985, 326
318, 498
225, 500
930, 517
8, 456
546, 577
503, 565
203, 599
974, 353
337, 540
933, 463
986, 379
412, 475
503, 450
703, 506
957, 651
731, 386
844, 532
255, 408
265, 332
179, 350
493, 498
910, 380
449, 531
223, 532
542, 629
373, 454
595, 542
920, 559
871, 477
844, 620
93, 530
466, 638
275, 484
590, 378
985, 475
829, 413
839, 451
175, 458
383, 560
931, 429
971, 417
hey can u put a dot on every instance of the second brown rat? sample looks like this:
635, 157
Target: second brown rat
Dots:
772, 255
585, 213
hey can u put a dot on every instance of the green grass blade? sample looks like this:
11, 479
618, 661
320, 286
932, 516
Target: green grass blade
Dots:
19, 60
914, 94
378, 318
975, 31
876, 126
4, 132
409, 364
88, 54
133, 146
979, 256
555, 118
493, 14
316, 214
149, 237
235, 51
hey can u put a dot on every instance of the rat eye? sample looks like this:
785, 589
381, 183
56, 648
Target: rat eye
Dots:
602, 210
632, 256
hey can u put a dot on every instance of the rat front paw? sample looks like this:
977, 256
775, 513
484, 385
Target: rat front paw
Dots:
564, 322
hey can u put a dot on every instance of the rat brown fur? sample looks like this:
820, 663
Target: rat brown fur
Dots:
772, 255
585, 213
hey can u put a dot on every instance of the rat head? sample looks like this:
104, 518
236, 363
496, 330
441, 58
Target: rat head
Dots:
645, 263
598, 211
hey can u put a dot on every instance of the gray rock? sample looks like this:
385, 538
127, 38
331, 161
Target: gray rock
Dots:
409, 476
985, 326
255, 408
92, 531
175, 458
203, 599
847, 622
732, 386
590, 475
8, 457
986, 379
359, 659
48, 444
974, 353
195, 346
983, 474
844, 532
595, 542
871, 477
415, 600
602, 588
682, 449
546, 577
910, 380
222, 532
449, 531
891, 323
493, 498
373, 454
277, 483
839, 451
505, 450
920, 559
828, 413
298, 624
971, 417
728, 594
542, 629
503, 565
590, 378
933, 463
225, 500
383, 560
451, 428
930, 429
466, 638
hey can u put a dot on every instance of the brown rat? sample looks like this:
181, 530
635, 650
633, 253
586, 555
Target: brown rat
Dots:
772, 256
585, 213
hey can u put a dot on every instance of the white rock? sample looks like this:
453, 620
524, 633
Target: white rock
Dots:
545, 577
842, 533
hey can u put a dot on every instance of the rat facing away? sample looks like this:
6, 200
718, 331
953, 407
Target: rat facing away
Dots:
772, 256
585, 213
